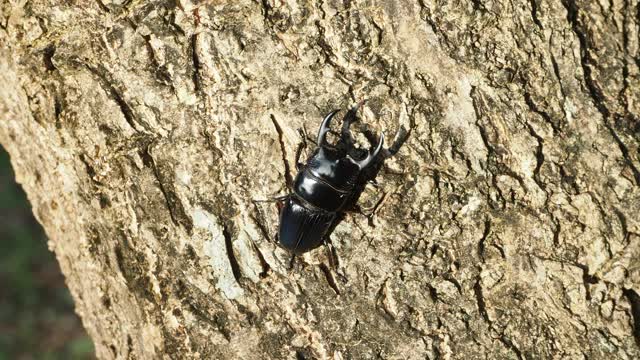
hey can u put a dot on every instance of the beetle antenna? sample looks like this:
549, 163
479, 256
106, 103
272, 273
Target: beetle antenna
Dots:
324, 128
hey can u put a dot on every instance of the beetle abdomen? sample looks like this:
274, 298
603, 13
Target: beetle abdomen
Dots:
302, 229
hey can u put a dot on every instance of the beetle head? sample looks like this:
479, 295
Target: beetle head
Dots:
322, 142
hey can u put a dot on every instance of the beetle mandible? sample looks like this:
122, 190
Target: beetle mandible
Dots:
322, 189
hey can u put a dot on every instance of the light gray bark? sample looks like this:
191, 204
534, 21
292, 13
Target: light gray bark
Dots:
142, 131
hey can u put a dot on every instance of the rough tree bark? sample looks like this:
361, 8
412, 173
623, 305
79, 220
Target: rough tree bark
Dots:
142, 131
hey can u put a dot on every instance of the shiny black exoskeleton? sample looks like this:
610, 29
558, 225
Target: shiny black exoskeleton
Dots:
324, 187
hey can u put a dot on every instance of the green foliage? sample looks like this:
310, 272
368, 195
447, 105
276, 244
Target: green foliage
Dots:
36, 310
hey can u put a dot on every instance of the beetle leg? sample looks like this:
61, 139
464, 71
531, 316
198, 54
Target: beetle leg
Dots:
359, 210
331, 255
370, 211
305, 136
334, 265
301, 147
376, 207
273, 199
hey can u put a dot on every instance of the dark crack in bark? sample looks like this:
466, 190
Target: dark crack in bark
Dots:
594, 89
111, 90
480, 303
508, 343
266, 268
47, 57
634, 301
195, 61
233, 261
174, 204
287, 169
539, 156
534, 14
547, 118
485, 235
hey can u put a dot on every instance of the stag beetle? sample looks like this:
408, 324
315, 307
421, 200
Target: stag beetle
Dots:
323, 188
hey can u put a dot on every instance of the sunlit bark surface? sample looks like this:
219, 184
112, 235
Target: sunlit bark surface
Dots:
509, 227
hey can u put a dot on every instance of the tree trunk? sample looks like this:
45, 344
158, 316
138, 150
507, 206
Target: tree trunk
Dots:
509, 224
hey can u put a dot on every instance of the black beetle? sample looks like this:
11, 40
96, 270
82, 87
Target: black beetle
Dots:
323, 189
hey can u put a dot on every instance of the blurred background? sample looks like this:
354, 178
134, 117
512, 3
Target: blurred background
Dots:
37, 320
